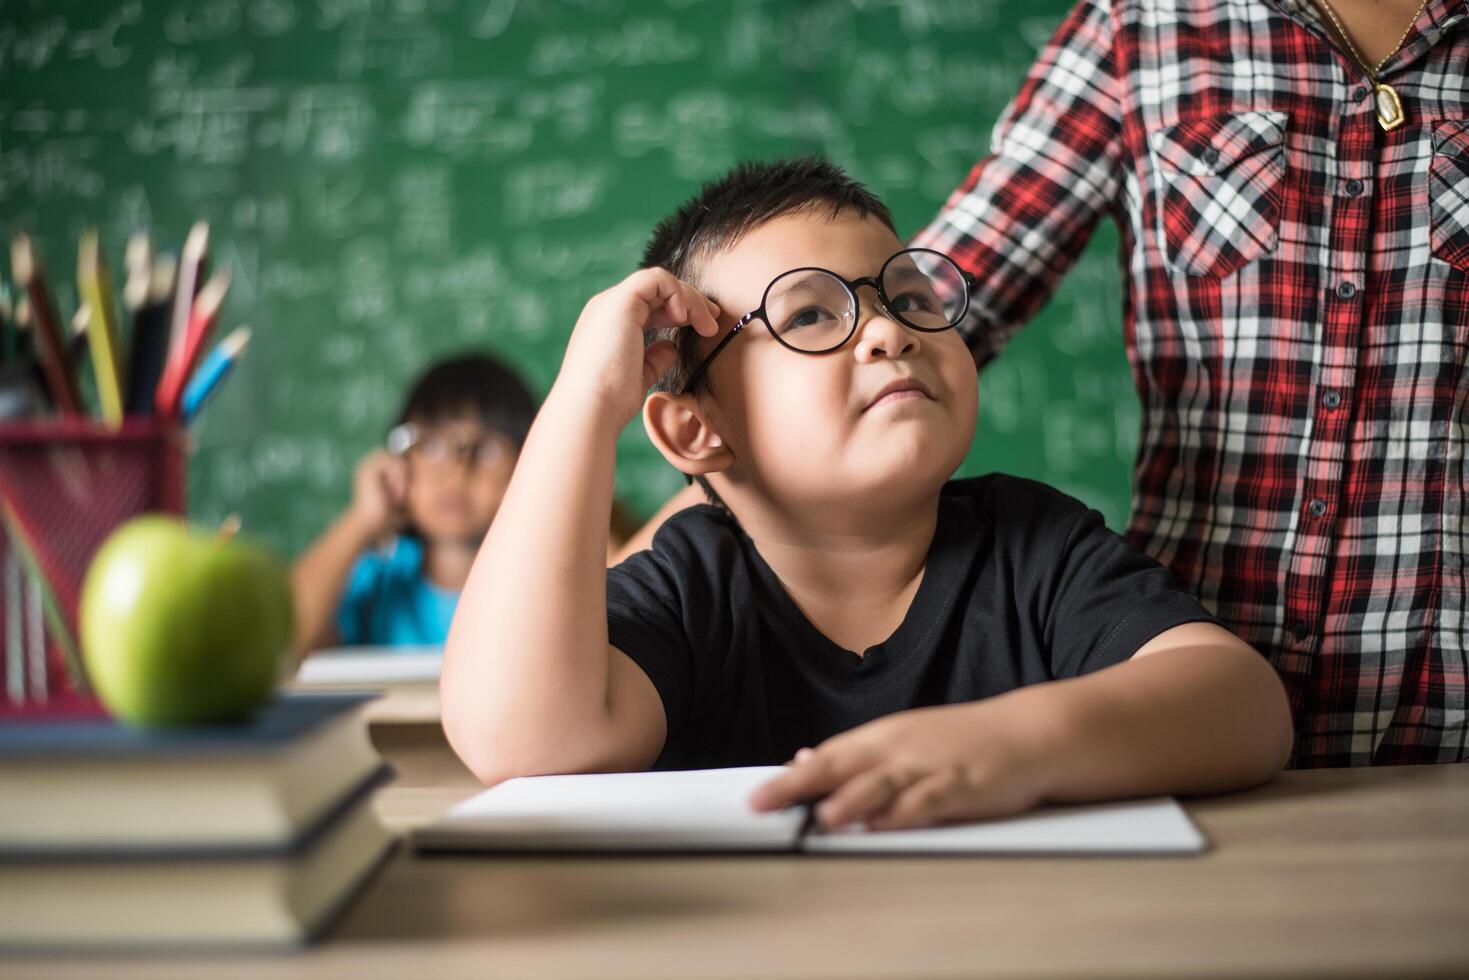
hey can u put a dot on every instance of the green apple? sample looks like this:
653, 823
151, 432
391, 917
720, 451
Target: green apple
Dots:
182, 625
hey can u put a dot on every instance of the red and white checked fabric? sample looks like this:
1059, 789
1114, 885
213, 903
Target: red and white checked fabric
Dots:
1296, 315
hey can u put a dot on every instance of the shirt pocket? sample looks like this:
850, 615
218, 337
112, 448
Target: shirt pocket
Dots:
1220, 180
1448, 193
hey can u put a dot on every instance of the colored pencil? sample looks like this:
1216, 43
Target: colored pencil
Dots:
50, 342
36, 594
15, 664
20, 322
137, 261
150, 338
78, 340
201, 322
22, 382
137, 258
43, 611
35, 642
193, 267
95, 286
213, 371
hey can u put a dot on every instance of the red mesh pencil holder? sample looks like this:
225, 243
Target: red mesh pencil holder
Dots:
64, 486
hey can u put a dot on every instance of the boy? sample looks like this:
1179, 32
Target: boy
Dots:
1012, 650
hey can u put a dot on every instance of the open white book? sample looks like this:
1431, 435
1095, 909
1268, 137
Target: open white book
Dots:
707, 810
370, 666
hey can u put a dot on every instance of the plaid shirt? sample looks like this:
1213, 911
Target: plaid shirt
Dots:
1297, 319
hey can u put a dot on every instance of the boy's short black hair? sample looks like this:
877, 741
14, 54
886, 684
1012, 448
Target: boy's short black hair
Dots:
472, 384
731, 207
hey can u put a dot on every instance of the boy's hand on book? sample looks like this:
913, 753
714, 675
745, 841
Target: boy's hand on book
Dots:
607, 366
915, 768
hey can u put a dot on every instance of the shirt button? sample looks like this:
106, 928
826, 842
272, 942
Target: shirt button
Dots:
1359, 93
1318, 507
1299, 631
1210, 156
1331, 399
1354, 187
1345, 290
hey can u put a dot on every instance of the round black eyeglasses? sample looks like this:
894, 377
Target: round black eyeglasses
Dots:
815, 311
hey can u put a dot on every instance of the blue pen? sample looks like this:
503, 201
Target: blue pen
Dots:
213, 371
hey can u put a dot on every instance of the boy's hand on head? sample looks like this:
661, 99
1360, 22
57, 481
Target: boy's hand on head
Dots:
380, 493
915, 768
606, 363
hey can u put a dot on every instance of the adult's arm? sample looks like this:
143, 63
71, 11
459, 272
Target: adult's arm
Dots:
1025, 212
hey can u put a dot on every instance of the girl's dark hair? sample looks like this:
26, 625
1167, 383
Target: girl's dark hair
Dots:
731, 207
472, 384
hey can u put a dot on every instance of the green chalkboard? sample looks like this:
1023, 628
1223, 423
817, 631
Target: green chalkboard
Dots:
392, 180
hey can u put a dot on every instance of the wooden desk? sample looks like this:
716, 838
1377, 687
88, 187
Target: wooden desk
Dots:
404, 726
405, 730
405, 704
1330, 873
399, 703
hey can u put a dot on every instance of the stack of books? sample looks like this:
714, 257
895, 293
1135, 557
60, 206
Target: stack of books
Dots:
247, 834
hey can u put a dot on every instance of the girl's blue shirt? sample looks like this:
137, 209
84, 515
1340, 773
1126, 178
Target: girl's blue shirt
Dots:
390, 602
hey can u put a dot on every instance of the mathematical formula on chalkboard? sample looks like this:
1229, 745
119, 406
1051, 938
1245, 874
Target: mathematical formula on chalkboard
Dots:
392, 181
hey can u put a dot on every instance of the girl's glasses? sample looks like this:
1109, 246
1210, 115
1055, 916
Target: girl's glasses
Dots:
441, 449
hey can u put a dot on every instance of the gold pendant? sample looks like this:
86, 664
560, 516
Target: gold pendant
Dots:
1389, 107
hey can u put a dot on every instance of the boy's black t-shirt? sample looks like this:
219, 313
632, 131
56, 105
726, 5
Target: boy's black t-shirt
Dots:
1022, 584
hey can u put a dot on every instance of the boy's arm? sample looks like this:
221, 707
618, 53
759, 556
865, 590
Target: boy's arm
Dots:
320, 574
1195, 710
530, 683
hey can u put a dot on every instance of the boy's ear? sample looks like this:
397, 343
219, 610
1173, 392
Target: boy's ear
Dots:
683, 434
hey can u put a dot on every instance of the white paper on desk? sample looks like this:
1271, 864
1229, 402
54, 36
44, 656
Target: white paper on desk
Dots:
1151, 826
695, 810
371, 665
709, 810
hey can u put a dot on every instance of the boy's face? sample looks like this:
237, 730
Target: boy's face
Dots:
457, 475
810, 428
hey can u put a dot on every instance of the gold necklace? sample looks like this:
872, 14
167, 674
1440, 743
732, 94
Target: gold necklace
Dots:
1389, 106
